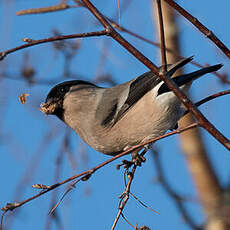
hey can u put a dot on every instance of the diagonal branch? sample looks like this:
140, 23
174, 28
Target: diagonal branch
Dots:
172, 86
222, 77
203, 29
86, 174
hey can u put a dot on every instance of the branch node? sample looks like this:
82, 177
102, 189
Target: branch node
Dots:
10, 206
28, 40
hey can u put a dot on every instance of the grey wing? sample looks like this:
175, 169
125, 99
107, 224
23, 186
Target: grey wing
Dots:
146, 82
138, 88
117, 101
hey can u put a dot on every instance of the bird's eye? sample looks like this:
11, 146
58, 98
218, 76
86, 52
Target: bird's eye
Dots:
62, 90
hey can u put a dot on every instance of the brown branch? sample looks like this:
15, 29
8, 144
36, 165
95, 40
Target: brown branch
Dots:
223, 78
105, 48
143, 204
63, 196
123, 216
31, 169
172, 86
51, 39
12, 206
211, 97
124, 196
57, 173
87, 173
162, 38
204, 177
48, 9
203, 29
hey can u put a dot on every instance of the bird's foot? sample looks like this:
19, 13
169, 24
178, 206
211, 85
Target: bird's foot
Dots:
138, 159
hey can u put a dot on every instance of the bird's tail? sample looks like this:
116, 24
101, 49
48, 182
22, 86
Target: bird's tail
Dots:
186, 78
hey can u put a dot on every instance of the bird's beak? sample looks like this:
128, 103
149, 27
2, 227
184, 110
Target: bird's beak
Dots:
48, 107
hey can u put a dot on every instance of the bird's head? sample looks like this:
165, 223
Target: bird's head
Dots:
54, 102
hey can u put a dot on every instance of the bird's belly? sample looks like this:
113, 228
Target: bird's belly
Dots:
130, 131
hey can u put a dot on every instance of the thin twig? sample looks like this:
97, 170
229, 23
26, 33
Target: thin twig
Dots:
162, 38
119, 12
51, 39
48, 9
143, 204
123, 216
211, 97
203, 29
12, 206
2, 217
57, 173
125, 196
123, 29
63, 196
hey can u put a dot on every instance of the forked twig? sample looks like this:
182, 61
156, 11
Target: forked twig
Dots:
124, 196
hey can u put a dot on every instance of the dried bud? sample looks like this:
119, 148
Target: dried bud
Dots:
22, 98
28, 40
40, 186
10, 206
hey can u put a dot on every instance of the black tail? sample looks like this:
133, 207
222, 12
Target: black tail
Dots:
186, 78
174, 67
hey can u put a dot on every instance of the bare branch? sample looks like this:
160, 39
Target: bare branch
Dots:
203, 29
48, 9
162, 37
125, 196
51, 39
172, 86
85, 174
223, 78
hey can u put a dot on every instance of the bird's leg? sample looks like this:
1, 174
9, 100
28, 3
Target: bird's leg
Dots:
137, 158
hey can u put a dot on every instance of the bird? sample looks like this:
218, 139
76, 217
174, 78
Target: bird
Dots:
111, 120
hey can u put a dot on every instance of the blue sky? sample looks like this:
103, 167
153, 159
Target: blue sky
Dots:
93, 204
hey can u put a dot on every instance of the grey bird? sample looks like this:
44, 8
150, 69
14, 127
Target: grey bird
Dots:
111, 120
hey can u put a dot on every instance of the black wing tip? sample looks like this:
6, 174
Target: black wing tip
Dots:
219, 66
214, 68
188, 59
